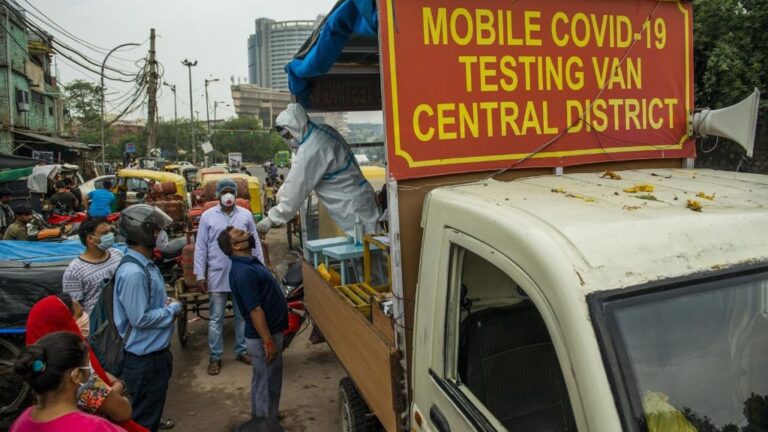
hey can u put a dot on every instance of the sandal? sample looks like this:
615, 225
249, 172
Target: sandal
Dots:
166, 423
244, 358
214, 367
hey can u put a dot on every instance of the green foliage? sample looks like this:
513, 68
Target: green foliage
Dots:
247, 136
83, 99
730, 60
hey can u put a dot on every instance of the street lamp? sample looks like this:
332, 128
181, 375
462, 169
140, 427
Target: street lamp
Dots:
207, 115
175, 114
215, 104
103, 115
189, 65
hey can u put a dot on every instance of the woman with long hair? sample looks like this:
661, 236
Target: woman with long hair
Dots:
57, 368
103, 394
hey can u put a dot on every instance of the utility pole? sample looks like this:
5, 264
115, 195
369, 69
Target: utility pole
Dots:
175, 115
189, 65
207, 114
152, 91
215, 104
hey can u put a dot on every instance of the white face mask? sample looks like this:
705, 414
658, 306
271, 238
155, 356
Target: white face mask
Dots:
227, 200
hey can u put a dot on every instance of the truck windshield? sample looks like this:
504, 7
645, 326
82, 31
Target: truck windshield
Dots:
694, 357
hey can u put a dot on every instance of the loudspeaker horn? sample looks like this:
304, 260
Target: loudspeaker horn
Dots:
736, 122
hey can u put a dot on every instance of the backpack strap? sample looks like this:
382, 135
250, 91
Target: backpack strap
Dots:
130, 259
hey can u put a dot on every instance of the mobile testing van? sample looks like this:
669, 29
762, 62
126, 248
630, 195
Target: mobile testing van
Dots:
556, 262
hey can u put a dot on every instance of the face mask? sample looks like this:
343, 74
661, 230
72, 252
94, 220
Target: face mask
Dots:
228, 200
84, 322
106, 241
161, 240
82, 386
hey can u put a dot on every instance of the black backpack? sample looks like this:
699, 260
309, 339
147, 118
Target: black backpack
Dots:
104, 339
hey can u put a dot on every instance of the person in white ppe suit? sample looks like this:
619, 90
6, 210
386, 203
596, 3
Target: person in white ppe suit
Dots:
323, 163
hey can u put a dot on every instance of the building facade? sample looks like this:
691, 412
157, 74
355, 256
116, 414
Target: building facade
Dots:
272, 46
260, 103
31, 102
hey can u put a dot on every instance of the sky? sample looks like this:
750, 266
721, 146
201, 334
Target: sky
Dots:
213, 33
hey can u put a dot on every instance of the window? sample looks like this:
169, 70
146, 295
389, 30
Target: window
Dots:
695, 351
137, 185
38, 97
499, 351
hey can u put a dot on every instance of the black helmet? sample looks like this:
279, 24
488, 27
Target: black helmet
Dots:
139, 222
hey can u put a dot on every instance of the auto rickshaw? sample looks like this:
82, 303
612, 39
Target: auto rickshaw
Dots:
210, 170
173, 168
167, 191
189, 172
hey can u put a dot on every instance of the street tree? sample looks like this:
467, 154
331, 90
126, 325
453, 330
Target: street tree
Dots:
247, 136
83, 103
730, 60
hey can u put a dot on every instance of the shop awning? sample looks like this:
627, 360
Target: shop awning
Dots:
11, 161
53, 140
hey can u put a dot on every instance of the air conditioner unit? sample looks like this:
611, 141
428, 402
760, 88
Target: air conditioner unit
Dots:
22, 100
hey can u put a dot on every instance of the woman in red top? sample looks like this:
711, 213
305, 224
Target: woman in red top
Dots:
101, 394
56, 367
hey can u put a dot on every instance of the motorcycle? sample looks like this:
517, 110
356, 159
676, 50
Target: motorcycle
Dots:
293, 287
60, 219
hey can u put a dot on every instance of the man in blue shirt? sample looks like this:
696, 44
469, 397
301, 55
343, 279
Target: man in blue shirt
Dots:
100, 200
258, 297
140, 303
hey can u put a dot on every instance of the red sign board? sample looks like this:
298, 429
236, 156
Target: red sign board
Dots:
487, 84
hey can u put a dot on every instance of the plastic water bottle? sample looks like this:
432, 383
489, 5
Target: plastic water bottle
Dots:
359, 231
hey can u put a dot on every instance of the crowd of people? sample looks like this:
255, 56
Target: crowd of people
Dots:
81, 386
22, 219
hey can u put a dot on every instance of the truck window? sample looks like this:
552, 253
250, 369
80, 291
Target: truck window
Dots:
499, 351
695, 352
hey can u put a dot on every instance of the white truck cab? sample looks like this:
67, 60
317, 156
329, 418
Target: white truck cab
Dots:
564, 303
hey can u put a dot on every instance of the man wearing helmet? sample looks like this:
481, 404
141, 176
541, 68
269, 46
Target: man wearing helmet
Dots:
323, 163
143, 314
212, 269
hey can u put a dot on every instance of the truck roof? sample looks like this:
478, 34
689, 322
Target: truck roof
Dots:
618, 239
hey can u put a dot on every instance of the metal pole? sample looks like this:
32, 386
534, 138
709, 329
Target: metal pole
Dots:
207, 107
103, 119
175, 115
189, 65
207, 116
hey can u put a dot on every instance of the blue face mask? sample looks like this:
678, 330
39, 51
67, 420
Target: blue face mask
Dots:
106, 241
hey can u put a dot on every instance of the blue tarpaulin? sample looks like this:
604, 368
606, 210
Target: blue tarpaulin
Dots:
42, 252
348, 17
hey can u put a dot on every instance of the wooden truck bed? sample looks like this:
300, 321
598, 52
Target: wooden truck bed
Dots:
367, 352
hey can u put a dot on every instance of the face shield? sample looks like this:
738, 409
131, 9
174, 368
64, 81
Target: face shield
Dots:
286, 135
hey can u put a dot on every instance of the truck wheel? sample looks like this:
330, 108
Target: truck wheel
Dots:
355, 415
13, 390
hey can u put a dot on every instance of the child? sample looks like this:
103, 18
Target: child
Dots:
270, 192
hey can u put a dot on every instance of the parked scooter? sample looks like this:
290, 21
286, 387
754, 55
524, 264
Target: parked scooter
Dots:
293, 286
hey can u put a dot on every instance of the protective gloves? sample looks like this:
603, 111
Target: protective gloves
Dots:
264, 225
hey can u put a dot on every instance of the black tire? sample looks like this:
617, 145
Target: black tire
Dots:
13, 390
355, 415
181, 325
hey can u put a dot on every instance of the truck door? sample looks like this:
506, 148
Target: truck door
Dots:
492, 363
